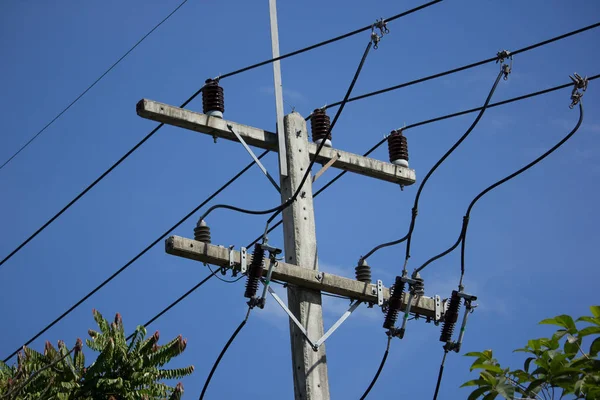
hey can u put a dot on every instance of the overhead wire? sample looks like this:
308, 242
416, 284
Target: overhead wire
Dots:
185, 103
466, 67
408, 236
93, 84
134, 259
381, 365
432, 120
462, 236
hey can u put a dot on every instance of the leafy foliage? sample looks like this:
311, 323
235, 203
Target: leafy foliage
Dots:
555, 366
121, 371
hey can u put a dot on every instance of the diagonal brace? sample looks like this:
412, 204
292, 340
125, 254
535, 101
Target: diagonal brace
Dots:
256, 160
315, 345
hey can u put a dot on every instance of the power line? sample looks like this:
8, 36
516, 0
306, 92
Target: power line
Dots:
216, 364
93, 84
134, 259
466, 67
109, 170
436, 119
173, 304
381, 365
463, 234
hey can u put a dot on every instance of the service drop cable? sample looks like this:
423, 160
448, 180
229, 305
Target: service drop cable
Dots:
276, 210
216, 364
440, 373
134, 259
432, 120
94, 83
408, 236
185, 103
463, 233
381, 365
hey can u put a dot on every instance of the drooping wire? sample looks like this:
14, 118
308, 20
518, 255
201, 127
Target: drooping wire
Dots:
465, 67
432, 120
152, 132
381, 365
408, 236
216, 364
225, 280
276, 210
93, 84
134, 259
440, 373
173, 304
463, 233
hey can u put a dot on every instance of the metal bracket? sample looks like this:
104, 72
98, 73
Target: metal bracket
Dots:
256, 160
326, 166
438, 308
243, 260
379, 292
231, 263
315, 345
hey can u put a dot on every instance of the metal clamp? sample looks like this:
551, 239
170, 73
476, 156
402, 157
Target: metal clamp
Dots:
243, 260
379, 292
437, 304
502, 56
578, 83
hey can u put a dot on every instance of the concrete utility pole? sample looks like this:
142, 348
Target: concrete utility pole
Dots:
300, 242
300, 267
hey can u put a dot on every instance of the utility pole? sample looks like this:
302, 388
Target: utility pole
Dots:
300, 266
300, 243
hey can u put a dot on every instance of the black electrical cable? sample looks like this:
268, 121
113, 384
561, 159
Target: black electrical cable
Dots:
440, 373
381, 365
130, 262
94, 83
437, 119
326, 42
173, 304
134, 148
276, 210
463, 234
465, 67
216, 364
225, 280
408, 236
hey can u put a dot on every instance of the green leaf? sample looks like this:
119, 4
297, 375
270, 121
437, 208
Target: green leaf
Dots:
561, 320
527, 363
595, 347
590, 330
571, 348
487, 367
478, 392
474, 382
490, 396
595, 311
506, 389
591, 320
488, 377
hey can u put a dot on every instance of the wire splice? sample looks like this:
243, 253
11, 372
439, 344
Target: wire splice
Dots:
213, 100
394, 304
450, 317
320, 127
398, 148
255, 271
578, 83
202, 232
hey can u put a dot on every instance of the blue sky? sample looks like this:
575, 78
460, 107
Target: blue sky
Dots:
532, 249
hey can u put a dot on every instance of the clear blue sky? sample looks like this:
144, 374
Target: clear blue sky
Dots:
532, 249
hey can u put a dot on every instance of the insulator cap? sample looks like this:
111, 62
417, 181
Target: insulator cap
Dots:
450, 317
202, 232
394, 304
320, 126
363, 271
255, 271
213, 100
398, 148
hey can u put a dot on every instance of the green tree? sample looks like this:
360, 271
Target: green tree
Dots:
122, 370
555, 368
